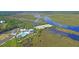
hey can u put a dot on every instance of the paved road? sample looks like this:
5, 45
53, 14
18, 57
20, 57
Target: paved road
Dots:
6, 39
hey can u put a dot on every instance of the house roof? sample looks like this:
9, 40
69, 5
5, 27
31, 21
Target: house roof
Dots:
43, 26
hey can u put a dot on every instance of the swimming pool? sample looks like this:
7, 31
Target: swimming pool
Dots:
22, 34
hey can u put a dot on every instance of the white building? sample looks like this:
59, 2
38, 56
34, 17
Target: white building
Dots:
43, 26
24, 32
2, 21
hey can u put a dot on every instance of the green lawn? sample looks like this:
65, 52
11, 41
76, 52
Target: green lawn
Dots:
10, 43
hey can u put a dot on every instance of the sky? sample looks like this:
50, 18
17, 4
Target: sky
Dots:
39, 5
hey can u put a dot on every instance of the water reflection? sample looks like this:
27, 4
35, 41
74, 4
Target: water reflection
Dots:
49, 21
72, 36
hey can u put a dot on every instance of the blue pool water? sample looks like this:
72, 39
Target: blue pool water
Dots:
22, 34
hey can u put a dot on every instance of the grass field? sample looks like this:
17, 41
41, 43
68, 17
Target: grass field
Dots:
70, 19
10, 43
